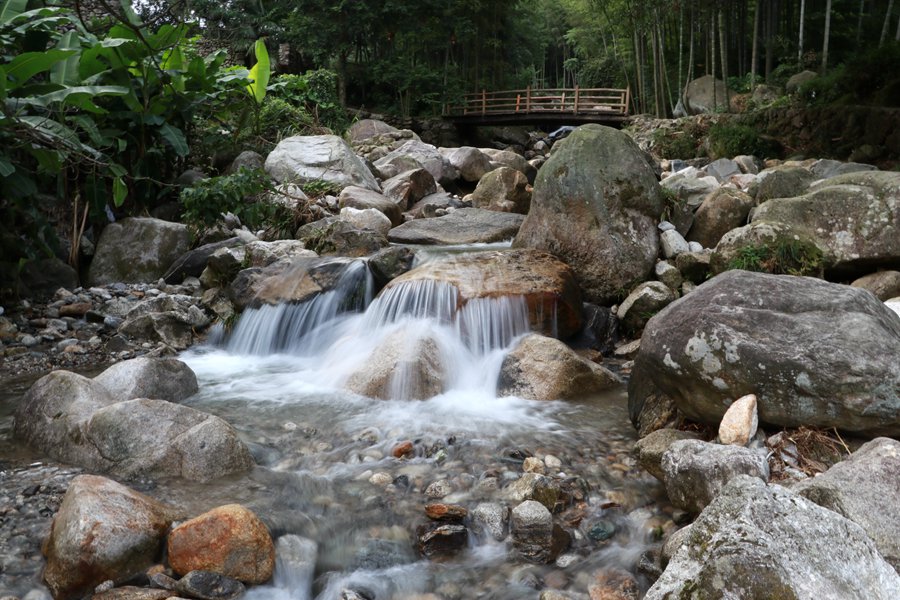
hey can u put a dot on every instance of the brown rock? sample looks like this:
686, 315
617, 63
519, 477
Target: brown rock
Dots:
103, 531
723, 210
129, 592
884, 284
78, 309
614, 584
547, 284
438, 511
402, 450
229, 540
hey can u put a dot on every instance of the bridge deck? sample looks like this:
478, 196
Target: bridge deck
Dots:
583, 105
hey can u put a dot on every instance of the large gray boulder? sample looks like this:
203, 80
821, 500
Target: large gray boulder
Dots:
408, 187
784, 181
462, 226
706, 95
695, 471
145, 377
102, 531
503, 189
814, 353
137, 250
154, 438
415, 154
543, 368
318, 157
294, 280
471, 163
762, 541
54, 412
171, 319
595, 205
365, 129
865, 488
854, 219
361, 198
404, 366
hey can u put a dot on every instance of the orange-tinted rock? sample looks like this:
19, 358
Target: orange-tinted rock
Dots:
229, 540
403, 449
438, 511
78, 309
547, 284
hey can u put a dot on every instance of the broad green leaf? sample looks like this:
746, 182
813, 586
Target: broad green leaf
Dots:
65, 72
117, 170
49, 161
89, 90
2, 83
6, 167
259, 73
130, 14
10, 9
120, 191
175, 138
89, 126
27, 65
173, 59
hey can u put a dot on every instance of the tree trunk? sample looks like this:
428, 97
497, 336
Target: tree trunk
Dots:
887, 20
723, 50
827, 35
754, 66
800, 40
859, 21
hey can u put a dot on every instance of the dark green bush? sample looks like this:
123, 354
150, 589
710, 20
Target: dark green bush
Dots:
240, 193
727, 140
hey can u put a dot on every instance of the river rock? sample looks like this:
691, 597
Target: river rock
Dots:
409, 187
54, 412
827, 359
784, 181
721, 211
739, 424
493, 518
248, 159
852, 218
694, 266
512, 160
645, 301
722, 169
328, 158
436, 540
884, 284
208, 585
145, 377
695, 471
390, 263
546, 283
137, 250
229, 540
651, 448
193, 262
262, 254
462, 226
531, 526
690, 186
415, 154
102, 531
759, 239
826, 168
471, 163
171, 319
367, 218
294, 281
337, 237
145, 437
361, 198
865, 488
543, 368
366, 129
761, 541
706, 95
404, 366
503, 189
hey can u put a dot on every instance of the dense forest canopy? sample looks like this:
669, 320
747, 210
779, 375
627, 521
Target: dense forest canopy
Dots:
104, 103
411, 57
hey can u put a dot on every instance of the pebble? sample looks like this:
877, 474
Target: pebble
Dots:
533, 465
438, 511
381, 479
438, 489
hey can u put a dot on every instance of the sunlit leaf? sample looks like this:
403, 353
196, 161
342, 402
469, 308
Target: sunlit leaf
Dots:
27, 65
259, 74
120, 191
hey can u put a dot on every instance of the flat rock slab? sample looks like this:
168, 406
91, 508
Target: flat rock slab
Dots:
462, 226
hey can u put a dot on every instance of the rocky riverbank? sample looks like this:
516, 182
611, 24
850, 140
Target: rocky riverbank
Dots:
751, 295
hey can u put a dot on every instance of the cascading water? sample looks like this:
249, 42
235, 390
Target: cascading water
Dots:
329, 475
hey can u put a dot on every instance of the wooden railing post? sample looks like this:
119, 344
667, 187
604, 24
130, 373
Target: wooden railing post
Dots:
575, 108
627, 100
528, 99
483, 102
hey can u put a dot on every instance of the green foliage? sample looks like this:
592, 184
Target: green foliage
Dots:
727, 140
315, 93
669, 143
100, 117
784, 257
259, 73
240, 194
316, 188
872, 78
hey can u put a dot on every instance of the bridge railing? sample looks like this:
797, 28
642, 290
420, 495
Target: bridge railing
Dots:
575, 101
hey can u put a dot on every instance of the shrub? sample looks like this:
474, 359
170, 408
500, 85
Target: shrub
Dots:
240, 193
727, 140
784, 257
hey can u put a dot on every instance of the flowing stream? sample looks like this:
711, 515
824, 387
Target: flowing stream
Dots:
344, 509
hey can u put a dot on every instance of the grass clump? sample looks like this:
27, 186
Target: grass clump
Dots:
784, 257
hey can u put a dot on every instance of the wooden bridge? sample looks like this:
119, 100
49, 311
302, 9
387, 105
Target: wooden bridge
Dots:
535, 106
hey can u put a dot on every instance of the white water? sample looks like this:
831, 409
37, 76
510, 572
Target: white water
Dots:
283, 371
